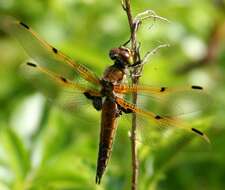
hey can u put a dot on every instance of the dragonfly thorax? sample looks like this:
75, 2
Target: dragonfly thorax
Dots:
107, 88
113, 74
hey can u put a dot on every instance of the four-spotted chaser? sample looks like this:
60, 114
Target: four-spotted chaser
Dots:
106, 93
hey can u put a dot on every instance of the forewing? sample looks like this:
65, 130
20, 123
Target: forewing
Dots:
58, 77
168, 100
45, 54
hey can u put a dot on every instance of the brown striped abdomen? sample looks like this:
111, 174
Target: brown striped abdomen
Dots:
108, 129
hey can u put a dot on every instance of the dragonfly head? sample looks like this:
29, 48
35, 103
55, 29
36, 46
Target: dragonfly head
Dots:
122, 56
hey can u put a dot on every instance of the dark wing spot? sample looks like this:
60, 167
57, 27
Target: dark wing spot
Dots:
31, 64
162, 89
158, 117
24, 25
126, 110
197, 131
197, 87
88, 96
54, 50
63, 79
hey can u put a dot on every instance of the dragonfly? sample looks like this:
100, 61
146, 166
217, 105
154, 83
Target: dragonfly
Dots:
106, 93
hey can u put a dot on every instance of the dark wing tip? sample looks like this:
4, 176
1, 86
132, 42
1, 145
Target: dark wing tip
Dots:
197, 87
24, 25
31, 64
201, 134
197, 131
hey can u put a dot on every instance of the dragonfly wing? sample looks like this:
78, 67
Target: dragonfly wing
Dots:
47, 55
60, 91
159, 120
154, 91
177, 101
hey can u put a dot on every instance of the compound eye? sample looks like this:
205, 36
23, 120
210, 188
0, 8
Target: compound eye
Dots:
126, 54
113, 55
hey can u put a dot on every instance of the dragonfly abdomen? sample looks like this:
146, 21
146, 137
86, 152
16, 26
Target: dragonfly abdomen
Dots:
108, 129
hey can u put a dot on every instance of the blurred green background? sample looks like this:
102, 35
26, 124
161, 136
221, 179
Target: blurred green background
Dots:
43, 147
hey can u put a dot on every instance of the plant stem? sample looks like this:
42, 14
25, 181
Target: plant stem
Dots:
135, 79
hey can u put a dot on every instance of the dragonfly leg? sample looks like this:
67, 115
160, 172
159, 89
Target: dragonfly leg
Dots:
127, 42
123, 110
120, 110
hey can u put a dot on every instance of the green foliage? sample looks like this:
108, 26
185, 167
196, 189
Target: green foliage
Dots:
43, 147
